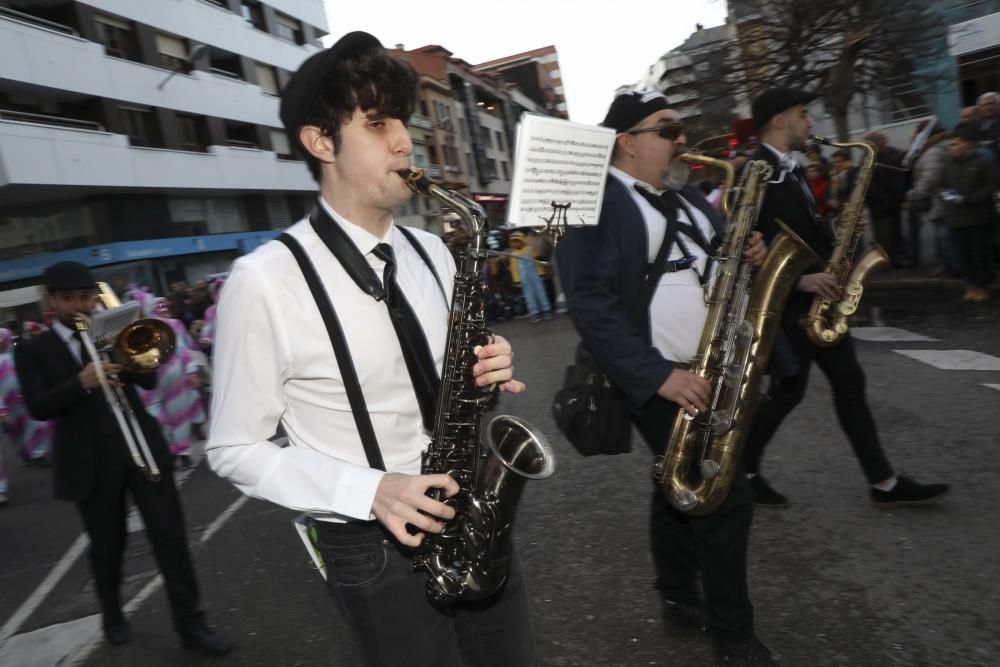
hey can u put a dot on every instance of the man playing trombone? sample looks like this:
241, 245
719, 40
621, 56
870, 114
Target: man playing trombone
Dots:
92, 463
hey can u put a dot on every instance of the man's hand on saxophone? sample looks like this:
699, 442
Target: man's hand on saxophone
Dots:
756, 249
824, 284
402, 499
687, 390
496, 366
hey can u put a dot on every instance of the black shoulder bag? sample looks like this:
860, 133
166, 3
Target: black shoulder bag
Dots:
589, 409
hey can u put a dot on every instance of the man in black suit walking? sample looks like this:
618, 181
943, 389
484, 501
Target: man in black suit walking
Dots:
92, 468
783, 124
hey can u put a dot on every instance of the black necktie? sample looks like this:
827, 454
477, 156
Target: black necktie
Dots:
84, 354
412, 341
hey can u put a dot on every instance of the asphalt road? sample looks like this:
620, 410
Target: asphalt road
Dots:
834, 580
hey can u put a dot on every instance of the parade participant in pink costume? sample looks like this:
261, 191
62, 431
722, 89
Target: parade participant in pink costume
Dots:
4, 487
33, 439
175, 402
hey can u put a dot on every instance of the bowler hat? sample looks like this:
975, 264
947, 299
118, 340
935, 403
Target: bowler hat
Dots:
299, 93
68, 277
775, 100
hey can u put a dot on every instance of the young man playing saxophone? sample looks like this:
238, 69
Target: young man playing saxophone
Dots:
645, 348
347, 109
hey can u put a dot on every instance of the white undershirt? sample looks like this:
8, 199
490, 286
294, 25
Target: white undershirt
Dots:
273, 362
677, 311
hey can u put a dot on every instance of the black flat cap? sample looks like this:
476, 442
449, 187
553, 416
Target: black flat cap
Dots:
298, 94
775, 100
68, 277
629, 109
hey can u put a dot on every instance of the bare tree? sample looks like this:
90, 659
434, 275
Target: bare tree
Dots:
835, 48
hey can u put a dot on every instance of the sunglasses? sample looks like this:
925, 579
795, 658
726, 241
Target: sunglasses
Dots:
669, 130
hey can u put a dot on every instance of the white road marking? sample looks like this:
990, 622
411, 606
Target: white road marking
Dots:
992, 386
954, 360
28, 607
72, 643
887, 334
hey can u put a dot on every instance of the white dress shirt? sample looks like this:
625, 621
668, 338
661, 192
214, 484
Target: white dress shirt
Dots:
66, 334
677, 311
273, 362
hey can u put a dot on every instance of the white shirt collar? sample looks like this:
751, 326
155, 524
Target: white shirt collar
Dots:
362, 238
629, 180
63, 331
787, 160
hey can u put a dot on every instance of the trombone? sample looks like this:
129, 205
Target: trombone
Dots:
142, 346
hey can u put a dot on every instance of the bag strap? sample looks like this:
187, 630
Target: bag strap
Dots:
419, 247
345, 362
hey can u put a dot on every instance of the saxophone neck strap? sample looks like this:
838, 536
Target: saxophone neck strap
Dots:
345, 362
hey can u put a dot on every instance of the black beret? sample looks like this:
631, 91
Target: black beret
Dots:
775, 100
68, 277
298, 94
966, 132
629, 109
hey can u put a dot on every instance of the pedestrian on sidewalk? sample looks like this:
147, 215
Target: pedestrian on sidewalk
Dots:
645, 345
926, 207
92, 466
524, 271
783, 123
968, 183
357, 419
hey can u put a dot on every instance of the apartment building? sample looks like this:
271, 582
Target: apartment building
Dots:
143, 138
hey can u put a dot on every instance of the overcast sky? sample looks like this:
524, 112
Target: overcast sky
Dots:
602, 44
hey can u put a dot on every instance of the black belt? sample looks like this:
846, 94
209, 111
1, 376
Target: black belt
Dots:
349, 529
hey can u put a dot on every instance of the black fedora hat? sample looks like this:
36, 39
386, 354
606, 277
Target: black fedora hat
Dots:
775, 100
68, 277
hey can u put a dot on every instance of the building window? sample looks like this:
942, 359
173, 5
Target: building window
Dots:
487, 138
139, 125
117, 37
267, 79
503, 168
491, 169
288, 28
279, 143
500, 141
464, 130
172, 50
225, 64
253, 13
193, 132
471, 164
241, 135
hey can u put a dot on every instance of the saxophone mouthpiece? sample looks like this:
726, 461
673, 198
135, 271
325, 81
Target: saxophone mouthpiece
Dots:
416, 179
822, 140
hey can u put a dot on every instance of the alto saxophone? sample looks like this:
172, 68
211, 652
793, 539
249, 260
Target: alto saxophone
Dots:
471, 558
744, 314
826, 321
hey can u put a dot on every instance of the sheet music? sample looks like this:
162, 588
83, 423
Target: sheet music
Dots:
558, 161
107, 324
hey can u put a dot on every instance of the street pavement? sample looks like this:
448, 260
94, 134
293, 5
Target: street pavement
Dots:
834, 580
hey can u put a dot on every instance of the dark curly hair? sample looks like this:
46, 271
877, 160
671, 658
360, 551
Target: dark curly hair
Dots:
370, 81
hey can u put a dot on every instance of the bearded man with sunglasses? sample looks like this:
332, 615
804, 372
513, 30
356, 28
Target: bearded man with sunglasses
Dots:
641, 320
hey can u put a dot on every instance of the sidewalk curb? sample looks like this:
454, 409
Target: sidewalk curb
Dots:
914, 283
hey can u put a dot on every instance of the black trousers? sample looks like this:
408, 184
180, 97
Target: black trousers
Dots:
847, 380
975, 249
714, 546
371, 575
104, 515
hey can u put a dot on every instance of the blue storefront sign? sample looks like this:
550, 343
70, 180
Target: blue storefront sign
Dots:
129, 251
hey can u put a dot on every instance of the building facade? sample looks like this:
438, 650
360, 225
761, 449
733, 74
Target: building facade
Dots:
143, 138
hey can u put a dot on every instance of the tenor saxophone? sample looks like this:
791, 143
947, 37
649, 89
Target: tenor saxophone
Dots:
826, 321
470, 559
703, 453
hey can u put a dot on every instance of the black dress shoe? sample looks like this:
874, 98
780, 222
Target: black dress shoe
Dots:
207, 641
764, 495
117, 632
684, 615
742, 653
908, 492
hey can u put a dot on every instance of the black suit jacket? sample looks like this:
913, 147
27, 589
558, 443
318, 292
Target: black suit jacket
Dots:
87, 441
601, 270
786, 201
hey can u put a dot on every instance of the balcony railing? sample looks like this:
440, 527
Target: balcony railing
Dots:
421, 121
40, 22
239, 143
55, 121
